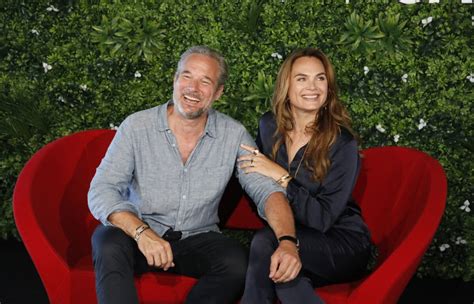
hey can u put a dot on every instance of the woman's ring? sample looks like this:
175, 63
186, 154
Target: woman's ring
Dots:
255, 152
251, 163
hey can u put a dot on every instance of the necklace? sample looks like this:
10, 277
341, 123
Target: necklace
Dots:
299, 164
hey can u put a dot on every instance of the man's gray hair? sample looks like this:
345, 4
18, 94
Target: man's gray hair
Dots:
207, 51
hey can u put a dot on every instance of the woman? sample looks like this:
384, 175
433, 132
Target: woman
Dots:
308, 147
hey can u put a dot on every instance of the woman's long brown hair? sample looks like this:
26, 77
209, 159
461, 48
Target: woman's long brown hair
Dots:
331, 116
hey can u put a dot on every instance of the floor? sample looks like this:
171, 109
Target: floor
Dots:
20, 284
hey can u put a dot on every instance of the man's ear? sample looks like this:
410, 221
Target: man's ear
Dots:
219, 92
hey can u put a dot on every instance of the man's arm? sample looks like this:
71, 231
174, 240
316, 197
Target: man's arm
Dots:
108, 201
285, 262
156, 250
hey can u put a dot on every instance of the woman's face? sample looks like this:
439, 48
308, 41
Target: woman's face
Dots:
308, 88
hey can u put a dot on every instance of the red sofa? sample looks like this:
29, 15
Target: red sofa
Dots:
401, 191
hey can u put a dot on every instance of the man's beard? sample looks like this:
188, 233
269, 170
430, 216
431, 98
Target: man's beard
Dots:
190, 115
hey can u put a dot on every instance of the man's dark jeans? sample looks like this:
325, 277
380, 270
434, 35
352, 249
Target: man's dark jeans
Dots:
217, 261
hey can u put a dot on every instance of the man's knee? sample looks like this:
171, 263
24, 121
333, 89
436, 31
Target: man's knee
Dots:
112, 244
234, 261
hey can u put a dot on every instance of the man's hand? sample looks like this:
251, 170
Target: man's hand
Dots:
285, 263
156, 250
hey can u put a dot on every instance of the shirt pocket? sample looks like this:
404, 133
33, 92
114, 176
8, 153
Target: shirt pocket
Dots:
160, 194
208, 184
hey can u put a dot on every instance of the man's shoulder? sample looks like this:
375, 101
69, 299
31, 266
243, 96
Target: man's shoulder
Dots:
143, 118
224, 119
145, 114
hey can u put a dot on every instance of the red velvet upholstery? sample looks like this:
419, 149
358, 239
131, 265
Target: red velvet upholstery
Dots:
402, 193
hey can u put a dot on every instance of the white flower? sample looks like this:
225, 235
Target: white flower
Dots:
443, 247
405, 77
83, 87
433, 1
52, 9
470, 77
380, 128
465, 206
276, 55
35, 31
466, 1
409, 1
46, 67
347, 1
422, 124
61, 99
460, 240
366, 70
396, 137
113, 127
138, 74
426, 21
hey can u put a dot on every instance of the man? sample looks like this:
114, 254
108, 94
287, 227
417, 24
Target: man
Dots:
158, 187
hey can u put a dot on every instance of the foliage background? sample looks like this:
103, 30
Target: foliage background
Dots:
405, 73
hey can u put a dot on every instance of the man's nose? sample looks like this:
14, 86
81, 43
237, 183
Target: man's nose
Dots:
193, 84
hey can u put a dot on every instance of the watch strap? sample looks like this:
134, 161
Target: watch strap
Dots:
289, 238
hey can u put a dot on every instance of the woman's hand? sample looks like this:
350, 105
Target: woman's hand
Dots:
259, 163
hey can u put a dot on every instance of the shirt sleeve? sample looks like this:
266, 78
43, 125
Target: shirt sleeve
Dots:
108, 191
321, 210
257, 186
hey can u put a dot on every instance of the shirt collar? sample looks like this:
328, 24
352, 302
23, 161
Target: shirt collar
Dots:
163, 125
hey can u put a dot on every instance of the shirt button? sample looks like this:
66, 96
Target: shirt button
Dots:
173, 145
169, 131
184, 196
185, 170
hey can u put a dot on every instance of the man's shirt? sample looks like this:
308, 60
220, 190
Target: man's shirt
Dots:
142, 172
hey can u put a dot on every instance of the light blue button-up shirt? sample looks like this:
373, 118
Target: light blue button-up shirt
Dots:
142, 172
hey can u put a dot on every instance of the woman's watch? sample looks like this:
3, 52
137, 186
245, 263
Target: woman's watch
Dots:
289, 238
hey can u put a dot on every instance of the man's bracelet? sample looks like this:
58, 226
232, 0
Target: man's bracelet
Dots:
283, 179
139, 231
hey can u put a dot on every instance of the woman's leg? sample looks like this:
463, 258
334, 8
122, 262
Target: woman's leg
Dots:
259, 288
333, 257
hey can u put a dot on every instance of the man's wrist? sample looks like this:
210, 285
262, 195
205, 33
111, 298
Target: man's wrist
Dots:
139, 230
290, 238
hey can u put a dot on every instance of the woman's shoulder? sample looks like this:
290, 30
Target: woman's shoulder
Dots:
345, 140
345, 136
268, 117
267, 122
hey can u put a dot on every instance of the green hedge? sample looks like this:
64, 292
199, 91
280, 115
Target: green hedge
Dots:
405, 73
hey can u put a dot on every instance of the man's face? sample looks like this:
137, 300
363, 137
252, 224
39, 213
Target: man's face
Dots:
195, 86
